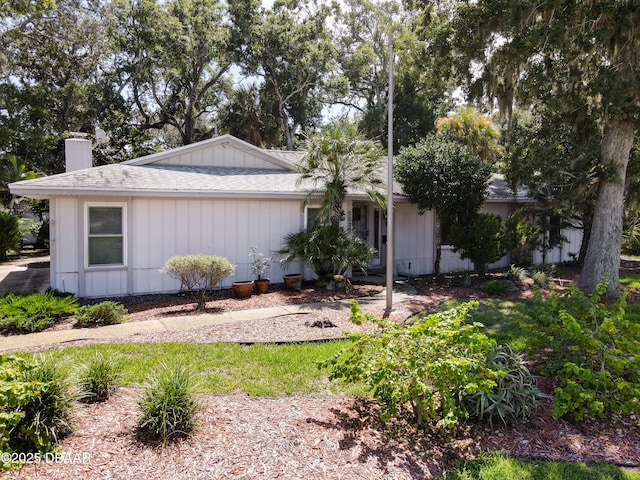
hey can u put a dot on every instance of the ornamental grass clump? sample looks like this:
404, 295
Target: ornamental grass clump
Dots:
199, 274
167, 405
99, 378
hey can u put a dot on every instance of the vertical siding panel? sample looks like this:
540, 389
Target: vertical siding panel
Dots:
66, 245
218, 229
169, 228
206, 227
142, 245
182, 230
194, 239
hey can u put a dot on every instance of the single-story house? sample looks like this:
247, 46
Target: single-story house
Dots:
113, 227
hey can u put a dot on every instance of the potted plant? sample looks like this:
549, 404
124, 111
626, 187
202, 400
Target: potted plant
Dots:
242, 290
260, 266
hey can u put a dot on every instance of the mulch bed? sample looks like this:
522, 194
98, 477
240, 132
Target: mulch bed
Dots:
314, 437
144, 307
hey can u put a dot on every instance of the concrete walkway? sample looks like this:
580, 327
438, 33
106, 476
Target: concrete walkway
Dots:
186, 322
26, 274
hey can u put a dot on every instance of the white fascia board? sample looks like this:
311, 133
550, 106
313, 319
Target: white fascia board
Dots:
44, 192
104, 192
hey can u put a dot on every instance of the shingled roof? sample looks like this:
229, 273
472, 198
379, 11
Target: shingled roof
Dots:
147, 177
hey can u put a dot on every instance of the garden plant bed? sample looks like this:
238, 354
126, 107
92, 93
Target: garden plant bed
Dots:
314, 436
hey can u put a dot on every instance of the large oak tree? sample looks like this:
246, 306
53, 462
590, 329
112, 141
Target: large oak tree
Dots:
580, 57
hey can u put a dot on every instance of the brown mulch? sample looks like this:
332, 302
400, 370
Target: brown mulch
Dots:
312, 437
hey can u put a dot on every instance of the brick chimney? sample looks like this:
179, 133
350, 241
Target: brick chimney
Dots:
77, 152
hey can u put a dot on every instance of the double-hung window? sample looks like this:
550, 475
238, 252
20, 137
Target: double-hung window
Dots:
105, 234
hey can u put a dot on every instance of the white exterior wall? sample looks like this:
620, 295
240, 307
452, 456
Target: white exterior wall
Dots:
219, 155
566, 251
63, 240
450, 261
413, 240
160, 228
167, 227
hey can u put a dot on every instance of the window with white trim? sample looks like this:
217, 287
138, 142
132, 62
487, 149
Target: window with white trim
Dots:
105, 234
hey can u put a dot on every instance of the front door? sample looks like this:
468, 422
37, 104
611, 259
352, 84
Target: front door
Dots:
369, 224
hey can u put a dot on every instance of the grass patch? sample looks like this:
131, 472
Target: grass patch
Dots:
630, 280
499, 467
226, 368
499, 318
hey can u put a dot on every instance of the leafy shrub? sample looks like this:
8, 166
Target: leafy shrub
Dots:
328, 249
199, 273
36, 402
103, 313
10, 233
423, 363
167, 405
14, 393
99, 379
594, 351
513, 398
461, 280
496, 287
485, 238
34, 312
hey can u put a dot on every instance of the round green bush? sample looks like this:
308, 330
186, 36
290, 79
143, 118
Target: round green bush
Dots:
104, 313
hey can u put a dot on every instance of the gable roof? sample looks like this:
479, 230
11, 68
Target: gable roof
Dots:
272, 158
204, 169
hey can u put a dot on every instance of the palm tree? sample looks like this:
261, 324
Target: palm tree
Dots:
12, 170
339, 158
478, 132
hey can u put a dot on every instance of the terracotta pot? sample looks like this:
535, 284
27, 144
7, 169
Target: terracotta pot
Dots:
262, 285
242, 290
293, 281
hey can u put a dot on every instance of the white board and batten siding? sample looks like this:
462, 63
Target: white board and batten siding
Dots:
225, 227
158, 228
567, 252
218, 155
413, 240
64, 224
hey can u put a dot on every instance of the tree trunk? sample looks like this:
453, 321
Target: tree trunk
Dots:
587, 222
605, 243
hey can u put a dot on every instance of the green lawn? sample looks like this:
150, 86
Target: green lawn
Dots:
500, 467
223, 368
